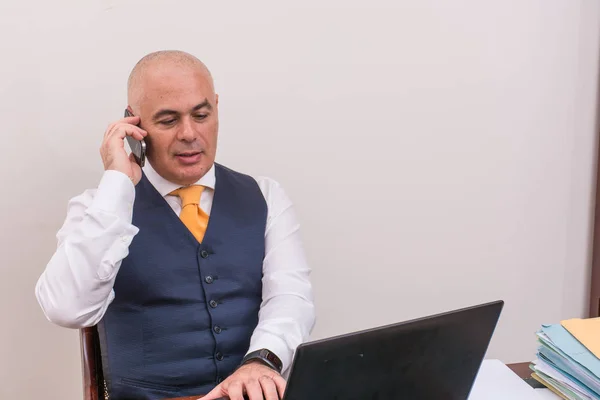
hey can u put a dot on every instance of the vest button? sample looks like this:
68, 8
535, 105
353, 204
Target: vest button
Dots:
204, 254
209, 279
213, 304
219, 356
219, 379
217, 329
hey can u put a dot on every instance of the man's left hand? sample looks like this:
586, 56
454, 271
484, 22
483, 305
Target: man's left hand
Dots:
254, 379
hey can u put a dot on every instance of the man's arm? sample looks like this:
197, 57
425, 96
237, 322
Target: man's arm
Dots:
75, 289
287, 313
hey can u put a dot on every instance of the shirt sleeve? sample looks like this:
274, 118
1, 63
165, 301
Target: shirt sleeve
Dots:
76, 286
287, 314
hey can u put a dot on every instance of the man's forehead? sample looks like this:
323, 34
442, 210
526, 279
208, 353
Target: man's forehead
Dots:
171, 85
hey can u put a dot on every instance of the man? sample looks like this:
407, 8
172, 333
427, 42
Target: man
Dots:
194, 273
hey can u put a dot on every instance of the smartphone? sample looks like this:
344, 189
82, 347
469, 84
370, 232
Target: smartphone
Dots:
138, 147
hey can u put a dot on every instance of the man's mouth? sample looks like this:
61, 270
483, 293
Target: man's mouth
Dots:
189, 157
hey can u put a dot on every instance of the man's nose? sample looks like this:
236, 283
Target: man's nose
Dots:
186, 130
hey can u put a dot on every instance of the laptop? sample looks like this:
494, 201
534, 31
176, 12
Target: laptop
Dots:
431, 358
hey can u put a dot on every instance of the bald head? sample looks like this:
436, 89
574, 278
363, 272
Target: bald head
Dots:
172, 93
160, 63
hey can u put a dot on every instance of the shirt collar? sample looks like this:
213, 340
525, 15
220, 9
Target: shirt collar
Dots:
164, 187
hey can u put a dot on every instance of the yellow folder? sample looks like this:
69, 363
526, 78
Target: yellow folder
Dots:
586, 331
549, 386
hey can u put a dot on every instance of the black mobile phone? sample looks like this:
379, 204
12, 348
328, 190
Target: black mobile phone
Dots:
138, 147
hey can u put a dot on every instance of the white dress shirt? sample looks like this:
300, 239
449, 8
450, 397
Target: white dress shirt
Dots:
76, 287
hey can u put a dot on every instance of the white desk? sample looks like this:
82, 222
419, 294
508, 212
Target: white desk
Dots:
495, 381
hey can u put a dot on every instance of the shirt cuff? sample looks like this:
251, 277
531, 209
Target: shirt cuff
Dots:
115, 195
276, 345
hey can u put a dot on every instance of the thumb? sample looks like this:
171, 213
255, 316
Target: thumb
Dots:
132, 159
136, 171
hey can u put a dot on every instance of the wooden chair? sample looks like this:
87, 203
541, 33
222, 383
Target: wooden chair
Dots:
91, 363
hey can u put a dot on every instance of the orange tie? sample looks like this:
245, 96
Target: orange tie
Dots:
192, 216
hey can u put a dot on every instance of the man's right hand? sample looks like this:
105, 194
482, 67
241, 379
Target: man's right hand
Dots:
113, 151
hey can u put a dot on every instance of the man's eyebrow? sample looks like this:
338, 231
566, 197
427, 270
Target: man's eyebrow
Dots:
204, 104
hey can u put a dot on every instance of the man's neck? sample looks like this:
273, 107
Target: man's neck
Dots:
164, 186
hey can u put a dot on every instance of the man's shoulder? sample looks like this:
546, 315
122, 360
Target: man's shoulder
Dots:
270, 188
262, 181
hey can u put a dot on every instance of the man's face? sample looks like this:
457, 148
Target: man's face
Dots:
178, 108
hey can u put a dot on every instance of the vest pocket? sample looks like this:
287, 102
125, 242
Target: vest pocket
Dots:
150, 385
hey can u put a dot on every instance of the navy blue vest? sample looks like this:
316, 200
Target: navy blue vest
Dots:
184, 311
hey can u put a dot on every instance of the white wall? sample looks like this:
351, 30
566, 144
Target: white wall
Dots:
440, 153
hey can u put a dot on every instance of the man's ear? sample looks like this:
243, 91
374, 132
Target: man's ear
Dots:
216, 99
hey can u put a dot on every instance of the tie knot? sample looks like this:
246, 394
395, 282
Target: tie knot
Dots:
189, 194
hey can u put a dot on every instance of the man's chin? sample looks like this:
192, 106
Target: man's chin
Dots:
190, 174
182, 174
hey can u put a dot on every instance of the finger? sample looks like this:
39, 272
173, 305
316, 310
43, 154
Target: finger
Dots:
137, 135
135, 120
131, 120
128, 130
120, 131
280, 383
109, 130
216, 393
235, 391
254, 390
268, 388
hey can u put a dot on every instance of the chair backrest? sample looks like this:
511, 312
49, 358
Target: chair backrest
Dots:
91, 363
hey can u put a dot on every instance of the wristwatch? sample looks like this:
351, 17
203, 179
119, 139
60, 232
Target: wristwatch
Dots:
265, 356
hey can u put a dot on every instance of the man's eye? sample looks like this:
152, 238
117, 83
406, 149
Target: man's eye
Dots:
200, 116
167, 122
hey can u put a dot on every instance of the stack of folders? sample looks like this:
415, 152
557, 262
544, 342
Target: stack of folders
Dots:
568, 360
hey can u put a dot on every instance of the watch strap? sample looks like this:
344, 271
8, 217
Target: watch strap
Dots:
265, 356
